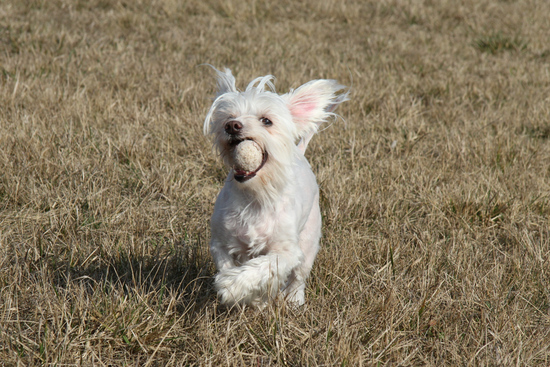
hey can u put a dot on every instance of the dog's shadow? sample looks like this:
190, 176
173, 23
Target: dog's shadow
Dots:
178, 270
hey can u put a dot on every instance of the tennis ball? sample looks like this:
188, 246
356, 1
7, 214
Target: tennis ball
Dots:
247, 156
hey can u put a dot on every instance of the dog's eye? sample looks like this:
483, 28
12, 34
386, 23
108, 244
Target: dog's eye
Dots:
266, 121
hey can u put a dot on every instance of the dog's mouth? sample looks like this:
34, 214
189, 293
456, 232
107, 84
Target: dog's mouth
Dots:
242, 175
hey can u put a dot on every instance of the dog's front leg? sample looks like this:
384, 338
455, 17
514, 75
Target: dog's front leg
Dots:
221, 256
259, 279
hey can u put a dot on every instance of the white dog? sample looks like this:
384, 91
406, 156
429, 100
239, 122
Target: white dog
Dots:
266, 224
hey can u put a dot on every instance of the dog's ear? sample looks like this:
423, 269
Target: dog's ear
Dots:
226, 82
312, 103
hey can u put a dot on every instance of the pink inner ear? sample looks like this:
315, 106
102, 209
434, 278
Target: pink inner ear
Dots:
303, 107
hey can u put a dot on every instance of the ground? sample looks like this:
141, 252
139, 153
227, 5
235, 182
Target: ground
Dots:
435, 183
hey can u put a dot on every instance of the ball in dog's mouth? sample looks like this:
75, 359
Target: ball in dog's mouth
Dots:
248, 158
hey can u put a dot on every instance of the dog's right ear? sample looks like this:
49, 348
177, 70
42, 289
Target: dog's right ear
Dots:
226, 82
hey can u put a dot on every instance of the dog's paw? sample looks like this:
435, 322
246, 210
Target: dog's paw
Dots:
251, 284
233, 288
296, 298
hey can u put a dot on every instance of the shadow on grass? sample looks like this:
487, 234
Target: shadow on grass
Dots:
178, 269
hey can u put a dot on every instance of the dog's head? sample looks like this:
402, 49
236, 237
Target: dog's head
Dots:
275, 122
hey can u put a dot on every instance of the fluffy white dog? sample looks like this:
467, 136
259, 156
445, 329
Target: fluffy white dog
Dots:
266, 224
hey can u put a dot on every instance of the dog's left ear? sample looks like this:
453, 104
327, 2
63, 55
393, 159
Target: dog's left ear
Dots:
312, 103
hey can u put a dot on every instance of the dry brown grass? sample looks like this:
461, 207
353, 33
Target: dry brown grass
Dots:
435, 190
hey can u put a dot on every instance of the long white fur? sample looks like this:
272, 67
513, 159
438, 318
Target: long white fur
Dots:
266, 231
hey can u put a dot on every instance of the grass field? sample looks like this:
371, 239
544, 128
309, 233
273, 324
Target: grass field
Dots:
435, 186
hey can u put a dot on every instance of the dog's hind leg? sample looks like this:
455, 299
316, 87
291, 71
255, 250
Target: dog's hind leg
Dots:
309, 243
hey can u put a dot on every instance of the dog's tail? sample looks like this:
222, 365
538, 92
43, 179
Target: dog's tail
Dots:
312, 104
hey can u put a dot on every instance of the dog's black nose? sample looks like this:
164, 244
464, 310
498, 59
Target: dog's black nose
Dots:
233, 127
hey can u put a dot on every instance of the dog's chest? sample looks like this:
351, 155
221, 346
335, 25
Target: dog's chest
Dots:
251, 232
